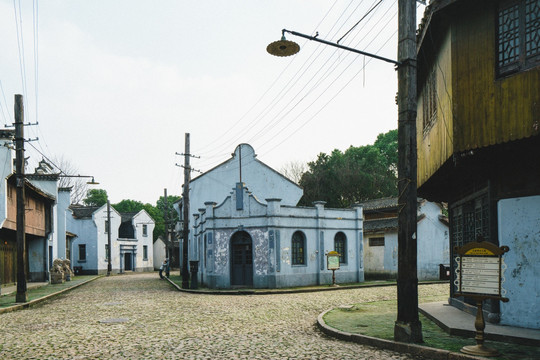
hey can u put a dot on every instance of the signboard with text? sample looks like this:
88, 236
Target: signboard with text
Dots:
332, 260
480, 269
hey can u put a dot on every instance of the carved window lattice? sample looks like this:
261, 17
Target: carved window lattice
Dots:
430, 101
532, 27
518, 36
470, 220
508, 35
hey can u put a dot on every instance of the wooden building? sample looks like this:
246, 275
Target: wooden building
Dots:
38, 225
478, 134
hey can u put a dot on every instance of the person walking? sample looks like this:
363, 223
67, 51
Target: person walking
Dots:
164, 266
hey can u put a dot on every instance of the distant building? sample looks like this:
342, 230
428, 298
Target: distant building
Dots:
381, 240
131, 240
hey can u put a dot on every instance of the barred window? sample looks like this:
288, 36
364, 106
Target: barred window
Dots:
340, 245
518, 35
298, 248
376, 241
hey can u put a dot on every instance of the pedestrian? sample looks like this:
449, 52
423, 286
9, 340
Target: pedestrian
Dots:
164, 266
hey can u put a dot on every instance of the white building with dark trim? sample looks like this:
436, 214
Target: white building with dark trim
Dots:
249, 233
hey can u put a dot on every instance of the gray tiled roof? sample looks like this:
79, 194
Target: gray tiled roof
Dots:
378, 204
381, 224
83, 212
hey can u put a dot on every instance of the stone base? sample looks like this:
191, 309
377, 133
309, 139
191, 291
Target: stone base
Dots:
408, 332
57, 278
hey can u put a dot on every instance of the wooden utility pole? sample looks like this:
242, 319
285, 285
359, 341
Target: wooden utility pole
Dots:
185, 207
168, 251
407, 327
22, 295
109, 265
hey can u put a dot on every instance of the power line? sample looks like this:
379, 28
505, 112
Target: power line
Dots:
279, 96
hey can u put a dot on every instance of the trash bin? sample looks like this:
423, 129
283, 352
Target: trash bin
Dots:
444, 272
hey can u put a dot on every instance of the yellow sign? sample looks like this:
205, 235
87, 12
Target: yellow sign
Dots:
479, 251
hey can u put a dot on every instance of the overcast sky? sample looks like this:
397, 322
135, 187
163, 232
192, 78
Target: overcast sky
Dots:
120, 82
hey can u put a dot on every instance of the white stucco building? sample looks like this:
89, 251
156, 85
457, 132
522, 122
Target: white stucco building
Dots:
131, 240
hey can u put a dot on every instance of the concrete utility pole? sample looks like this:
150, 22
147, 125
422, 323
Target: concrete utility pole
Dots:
22, 295
185, 207
407, 327
109, 265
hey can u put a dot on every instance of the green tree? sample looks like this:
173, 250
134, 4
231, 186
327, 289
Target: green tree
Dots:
358, 174
156, 212
96, 197
126, 206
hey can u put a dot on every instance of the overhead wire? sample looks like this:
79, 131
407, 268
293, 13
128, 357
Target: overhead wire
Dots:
277, 97
4, 108
318, 82
322, 76
332, 98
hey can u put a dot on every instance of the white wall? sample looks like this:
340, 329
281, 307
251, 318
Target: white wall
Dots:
519, 229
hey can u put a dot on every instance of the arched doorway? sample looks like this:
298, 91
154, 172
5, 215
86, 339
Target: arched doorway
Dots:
241, 259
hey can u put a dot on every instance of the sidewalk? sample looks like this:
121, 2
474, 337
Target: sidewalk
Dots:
13, 288
39, 292
460, 323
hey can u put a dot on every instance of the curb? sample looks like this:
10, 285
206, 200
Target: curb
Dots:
413, 349
284, 291
39, 300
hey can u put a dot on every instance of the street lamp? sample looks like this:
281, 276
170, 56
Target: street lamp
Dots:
91, 182
407, 327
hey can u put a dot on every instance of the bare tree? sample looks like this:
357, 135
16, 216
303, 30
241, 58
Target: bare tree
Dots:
294, 170
78, 186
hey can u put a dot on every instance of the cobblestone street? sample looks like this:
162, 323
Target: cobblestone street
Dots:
141, 317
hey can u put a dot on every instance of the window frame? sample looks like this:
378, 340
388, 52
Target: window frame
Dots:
81, 247
376, 241
145, 252
145, 230
342, 253
522, 61
298, 249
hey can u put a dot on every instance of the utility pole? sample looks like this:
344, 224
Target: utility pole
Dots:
168, 251
22, 295
185, 207
109, 265
408, 327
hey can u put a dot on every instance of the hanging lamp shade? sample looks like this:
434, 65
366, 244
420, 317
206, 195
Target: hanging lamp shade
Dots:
283, 47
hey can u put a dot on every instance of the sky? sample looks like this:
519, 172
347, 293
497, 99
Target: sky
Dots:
115, 85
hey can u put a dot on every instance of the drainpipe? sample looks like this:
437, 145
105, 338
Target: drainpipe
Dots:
319, 213
359, 230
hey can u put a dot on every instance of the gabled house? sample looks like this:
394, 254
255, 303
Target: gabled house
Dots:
478, 135
131, 240
381, 233
246, 231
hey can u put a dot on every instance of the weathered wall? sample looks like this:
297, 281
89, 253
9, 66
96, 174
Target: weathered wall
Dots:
271, 227
519, 229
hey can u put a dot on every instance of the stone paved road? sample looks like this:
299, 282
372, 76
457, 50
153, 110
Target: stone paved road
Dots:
165, 324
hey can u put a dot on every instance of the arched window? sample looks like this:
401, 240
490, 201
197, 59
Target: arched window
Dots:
298, 248
340, 245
